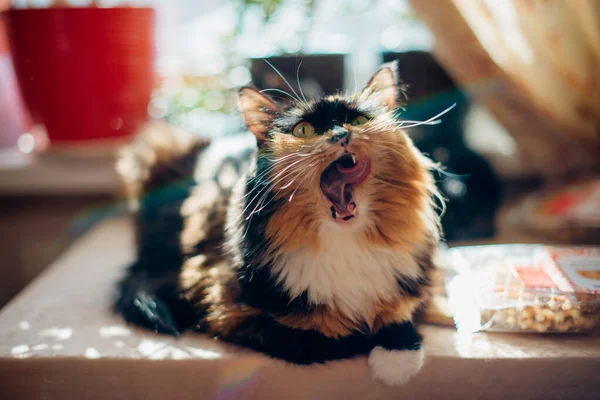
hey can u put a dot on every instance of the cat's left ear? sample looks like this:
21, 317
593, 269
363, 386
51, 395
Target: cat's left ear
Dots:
258, 111
385, 87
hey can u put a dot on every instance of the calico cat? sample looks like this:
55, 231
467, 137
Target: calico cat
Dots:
313, 243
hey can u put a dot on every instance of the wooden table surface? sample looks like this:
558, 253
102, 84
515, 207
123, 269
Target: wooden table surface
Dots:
59, 340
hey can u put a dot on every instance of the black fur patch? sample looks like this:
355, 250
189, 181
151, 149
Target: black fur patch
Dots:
148, 294
325, 115
264, 334
258, 287
402, 336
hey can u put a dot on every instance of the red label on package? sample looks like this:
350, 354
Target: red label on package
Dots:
534, 276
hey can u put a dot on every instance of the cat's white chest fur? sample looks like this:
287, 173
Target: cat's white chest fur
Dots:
347, 274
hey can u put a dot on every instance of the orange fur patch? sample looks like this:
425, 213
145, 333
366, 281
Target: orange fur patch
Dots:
211, 285
401, 193
397, 311
334, 324
323, 320
399, 189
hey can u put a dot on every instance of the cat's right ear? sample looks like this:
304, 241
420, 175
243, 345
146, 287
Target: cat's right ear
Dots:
385, 87
258, 111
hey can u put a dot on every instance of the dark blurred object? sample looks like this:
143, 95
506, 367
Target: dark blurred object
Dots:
567, 213
85, 73
317, 74
472, 188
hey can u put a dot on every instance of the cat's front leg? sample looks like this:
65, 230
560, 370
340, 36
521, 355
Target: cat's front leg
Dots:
397, 355
262, 333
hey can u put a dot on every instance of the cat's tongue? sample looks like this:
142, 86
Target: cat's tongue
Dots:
339, 179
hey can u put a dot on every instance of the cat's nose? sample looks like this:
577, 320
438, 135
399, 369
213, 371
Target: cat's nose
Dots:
340, 135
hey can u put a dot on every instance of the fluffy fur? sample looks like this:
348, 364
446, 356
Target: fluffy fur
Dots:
395, 367
269, 263
347, 274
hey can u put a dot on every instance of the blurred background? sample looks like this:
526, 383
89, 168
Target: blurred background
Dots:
521, 146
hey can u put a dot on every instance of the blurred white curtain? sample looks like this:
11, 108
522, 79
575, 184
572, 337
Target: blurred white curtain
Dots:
551, 48
534, 63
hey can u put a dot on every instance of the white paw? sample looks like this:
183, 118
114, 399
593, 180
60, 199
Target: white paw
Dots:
395, 367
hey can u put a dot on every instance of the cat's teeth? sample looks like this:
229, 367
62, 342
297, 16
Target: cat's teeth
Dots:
335, 214
353, 158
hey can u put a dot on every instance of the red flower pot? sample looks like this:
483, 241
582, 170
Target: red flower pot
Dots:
85, 73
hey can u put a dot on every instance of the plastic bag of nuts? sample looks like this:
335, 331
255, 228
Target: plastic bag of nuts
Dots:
524, 288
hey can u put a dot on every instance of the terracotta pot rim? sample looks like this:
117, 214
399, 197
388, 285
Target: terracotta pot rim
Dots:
74, 9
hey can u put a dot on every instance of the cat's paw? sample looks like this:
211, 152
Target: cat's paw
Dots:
395, 367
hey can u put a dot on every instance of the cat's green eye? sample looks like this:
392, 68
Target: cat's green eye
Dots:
303, 129
361, 119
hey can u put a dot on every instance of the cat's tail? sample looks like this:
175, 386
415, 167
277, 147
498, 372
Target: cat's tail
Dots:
157, 170
159, 156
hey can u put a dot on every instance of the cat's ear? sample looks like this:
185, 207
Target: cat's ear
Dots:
385, 87
258, 111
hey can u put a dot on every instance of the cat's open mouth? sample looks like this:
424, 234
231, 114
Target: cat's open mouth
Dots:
339, 180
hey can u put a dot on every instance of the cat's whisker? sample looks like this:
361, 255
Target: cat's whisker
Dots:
262, 175
285, 80
285, 160
279, 91
379, 142
277, 162
302, 154
267, 191
287, 185
440, 169
275, 195
355, 73
297, 187
409, 121
266, 188
274, 184
395, 184
260, 192
441, 200
261, 189
315, 150
433, 191
430, 121
377, 127
382, 149
298, 81
286, 168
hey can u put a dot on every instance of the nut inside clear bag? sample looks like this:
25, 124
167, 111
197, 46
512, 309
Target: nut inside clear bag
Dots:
524, 288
